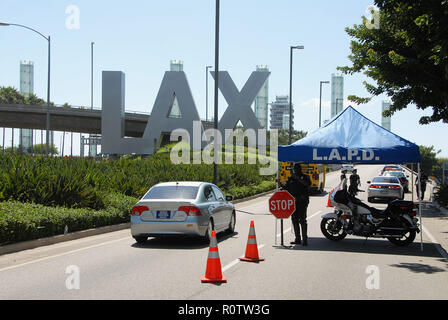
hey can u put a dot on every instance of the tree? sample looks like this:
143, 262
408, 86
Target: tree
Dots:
407, 56
34, 100
10, 95
283, 136
40, 149
428, 159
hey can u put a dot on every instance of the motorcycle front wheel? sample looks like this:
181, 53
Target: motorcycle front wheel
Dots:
332, 230
407, 239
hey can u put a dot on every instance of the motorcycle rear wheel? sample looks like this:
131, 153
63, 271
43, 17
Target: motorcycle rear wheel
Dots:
331, 231
406, 240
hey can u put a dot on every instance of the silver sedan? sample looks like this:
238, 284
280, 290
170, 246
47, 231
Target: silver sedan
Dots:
182, 208
385, 188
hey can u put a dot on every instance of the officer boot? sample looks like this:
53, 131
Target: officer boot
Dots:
304, 232
296, 233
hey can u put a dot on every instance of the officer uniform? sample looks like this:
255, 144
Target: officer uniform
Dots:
354, 183
298, 186
424, 179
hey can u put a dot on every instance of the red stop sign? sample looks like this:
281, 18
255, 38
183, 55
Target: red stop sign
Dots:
282, 204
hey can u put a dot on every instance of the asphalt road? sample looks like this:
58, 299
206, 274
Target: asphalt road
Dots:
114, 266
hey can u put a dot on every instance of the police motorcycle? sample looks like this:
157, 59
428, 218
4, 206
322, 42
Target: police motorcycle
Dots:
398, 222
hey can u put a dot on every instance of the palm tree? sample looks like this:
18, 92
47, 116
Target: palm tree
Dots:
34, 100
10, 95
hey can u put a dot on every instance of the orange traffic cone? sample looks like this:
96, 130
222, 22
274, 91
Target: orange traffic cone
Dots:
213, 272
251, 248
329, 200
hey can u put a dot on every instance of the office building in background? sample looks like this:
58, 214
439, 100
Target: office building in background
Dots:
26, 88
385, 121
261, 101
279, 117
337, 94
176, 65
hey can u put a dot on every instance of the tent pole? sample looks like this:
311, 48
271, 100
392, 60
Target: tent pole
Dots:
412, 181
276, 189
420, 204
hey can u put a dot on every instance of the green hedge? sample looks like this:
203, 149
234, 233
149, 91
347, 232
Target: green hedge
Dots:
441, 194
247, 191
39, 196
85, 183
26, 221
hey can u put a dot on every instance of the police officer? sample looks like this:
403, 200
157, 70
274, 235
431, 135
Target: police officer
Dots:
424, 179
344, 180
343, 176
355, 181
298, 186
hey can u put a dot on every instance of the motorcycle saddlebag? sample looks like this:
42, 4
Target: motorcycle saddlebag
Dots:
400, 206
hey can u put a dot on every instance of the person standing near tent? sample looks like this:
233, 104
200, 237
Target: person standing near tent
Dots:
298, 186
355, 181
343, 176
424, 179
343, 180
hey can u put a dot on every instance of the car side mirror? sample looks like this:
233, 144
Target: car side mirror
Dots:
229, 198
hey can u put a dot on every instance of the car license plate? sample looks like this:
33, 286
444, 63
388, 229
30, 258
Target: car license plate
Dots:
383, 191
163, 214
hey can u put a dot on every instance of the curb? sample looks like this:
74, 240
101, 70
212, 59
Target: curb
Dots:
252, 197
31, 244
440, 245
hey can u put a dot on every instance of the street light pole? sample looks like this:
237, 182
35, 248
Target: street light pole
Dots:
215, 120
320, 101
206, 92
290, 91
91, 74
47, 124
92, 150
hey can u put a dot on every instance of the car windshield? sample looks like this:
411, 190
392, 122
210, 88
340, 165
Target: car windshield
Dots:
395, 174
172, 192
385, 180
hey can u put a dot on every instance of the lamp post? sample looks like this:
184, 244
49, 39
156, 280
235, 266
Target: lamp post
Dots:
215, 120
47, 122
91, 74
92, 149
206, 92
320, 101
290, 90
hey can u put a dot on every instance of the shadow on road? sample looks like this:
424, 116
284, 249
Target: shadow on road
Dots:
371, 246
180, 242
419, 268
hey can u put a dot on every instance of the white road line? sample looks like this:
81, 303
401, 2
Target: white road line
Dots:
434, 241
235, 262
61, 254
289, 229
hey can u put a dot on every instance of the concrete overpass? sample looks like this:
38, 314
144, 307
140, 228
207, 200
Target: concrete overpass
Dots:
69, 119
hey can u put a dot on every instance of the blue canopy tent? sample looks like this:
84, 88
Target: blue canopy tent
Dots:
352, 138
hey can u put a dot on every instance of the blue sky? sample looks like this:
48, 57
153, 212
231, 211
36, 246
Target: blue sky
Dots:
141, 37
